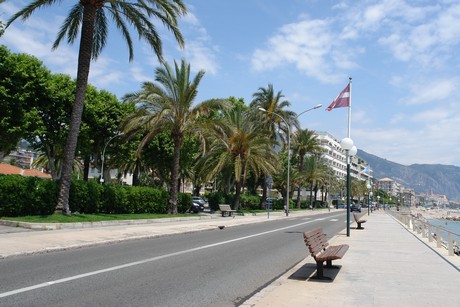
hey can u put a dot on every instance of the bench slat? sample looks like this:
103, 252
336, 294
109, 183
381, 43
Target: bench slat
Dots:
333, 253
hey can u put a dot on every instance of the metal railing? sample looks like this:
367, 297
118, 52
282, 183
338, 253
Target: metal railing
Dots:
438, 234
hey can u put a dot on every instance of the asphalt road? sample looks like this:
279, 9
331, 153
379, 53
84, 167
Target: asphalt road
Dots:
208, 268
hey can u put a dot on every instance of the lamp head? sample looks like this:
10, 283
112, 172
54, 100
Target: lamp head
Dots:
346, 143
353, 151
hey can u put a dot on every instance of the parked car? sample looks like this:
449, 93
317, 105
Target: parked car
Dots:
197, 204
340, 206
355, 207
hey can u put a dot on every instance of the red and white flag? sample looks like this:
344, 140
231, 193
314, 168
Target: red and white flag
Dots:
342, 100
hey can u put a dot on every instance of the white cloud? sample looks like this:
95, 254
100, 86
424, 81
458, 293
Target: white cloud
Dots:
199, 49
433, 91
310, 45
137, 73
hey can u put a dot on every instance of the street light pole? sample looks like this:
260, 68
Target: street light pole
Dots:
368, 197
103, 157
350, 149
288, 125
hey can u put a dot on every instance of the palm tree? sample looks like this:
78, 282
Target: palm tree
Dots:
168, 105
315, 171
273, 104
91, 16
305, 142
275, 118
239, 141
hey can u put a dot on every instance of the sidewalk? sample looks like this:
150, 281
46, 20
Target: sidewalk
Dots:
386, 265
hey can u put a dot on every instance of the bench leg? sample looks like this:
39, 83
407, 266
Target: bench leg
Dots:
320, 272
359, 226
330, 266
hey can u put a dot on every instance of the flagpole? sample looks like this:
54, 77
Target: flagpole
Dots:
349, 111
348, 162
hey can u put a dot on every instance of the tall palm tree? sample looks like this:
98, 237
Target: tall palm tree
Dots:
168, 105
91, 15
315, 171
305, 142
238, 140
275, 118
272, 102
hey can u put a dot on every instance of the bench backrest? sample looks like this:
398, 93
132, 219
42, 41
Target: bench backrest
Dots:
316, 241
225, 208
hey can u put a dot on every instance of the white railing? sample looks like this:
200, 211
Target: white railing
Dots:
443, 237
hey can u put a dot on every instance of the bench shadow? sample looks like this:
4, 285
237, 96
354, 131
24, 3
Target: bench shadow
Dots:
308, 273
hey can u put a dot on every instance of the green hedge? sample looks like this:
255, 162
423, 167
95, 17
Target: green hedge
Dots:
217, 198
249, 202
26, 196
21, 196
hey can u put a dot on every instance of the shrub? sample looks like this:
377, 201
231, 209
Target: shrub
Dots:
21, 196
184, 202
27, 195
147, 200
278, 204
217, 198
249, 202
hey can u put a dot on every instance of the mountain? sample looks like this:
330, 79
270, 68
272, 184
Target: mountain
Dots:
423, 178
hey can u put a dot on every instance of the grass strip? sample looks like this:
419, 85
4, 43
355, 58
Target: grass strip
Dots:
82, 218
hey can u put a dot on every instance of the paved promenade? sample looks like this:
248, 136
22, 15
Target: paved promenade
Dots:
386, 265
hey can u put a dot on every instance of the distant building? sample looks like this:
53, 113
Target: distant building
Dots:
336, 158
8, 169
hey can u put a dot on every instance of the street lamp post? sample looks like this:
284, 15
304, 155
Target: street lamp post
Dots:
368, 198
351, 150
288, 125
103, 157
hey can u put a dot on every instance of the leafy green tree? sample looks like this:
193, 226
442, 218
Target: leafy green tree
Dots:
239, 140
23, 84
49, 122
101, 119
168, 105
91, 17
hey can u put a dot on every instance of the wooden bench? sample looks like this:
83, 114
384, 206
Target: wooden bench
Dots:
321, 251
226, 210
359, 220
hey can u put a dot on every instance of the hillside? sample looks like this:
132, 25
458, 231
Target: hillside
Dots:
423, 178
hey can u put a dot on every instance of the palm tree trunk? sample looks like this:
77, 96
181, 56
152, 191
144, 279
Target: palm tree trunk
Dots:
175, 175
86, 165
316, 195
237, 194
84, 61
300, 187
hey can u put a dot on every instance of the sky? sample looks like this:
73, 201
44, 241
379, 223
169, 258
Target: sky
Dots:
402, 55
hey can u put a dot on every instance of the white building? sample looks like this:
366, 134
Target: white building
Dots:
336, 157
